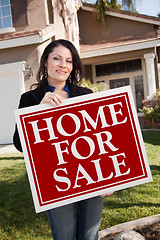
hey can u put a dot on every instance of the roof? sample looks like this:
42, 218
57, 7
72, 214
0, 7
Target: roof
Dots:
14, 39
41, 32
123, 44
18, 34
125, 14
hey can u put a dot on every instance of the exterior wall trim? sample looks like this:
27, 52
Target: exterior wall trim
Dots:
144, 20
23, 41
7, 30
119, 49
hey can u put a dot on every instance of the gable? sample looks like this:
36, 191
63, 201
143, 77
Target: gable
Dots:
92, 31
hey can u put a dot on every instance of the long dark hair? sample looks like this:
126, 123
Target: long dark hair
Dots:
78, 69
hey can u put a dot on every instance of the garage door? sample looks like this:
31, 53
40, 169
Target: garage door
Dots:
11, 87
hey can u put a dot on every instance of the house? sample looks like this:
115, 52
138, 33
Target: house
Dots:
26, 27
125, 51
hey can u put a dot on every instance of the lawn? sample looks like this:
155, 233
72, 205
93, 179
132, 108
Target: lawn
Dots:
140, 201
18, 219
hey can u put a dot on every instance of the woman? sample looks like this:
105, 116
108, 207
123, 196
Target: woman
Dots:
59, 74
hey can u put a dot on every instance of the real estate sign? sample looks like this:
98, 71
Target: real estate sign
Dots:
87, 146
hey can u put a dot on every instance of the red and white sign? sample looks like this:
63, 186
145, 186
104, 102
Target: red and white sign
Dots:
86, 147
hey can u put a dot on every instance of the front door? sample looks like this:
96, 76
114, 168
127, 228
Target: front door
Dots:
119, 83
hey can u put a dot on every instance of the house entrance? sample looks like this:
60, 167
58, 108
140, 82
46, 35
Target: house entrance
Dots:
120, 74
119, 83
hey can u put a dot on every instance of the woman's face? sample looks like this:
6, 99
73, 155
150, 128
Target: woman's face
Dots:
59, 65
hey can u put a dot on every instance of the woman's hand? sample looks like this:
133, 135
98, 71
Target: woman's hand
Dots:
107, 194
52, 98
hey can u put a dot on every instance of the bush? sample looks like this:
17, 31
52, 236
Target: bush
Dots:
157, 94
95, 87
152, 113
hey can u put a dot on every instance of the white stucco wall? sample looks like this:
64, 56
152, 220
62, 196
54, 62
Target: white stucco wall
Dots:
11, 87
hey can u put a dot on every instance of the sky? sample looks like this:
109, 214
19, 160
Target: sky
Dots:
148, 7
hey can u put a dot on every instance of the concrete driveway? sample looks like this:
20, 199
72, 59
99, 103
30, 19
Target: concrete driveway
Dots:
8, 148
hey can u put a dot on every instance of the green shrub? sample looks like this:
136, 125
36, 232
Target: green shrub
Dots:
152, 113
157, 94
95, 87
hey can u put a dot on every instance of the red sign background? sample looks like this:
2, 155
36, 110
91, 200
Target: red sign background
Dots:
94, 145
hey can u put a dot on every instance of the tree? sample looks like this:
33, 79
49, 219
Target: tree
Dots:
100, 6
129, 5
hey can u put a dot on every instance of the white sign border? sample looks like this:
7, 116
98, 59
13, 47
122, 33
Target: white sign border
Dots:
79, 100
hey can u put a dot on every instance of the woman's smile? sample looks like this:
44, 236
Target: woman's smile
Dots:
61, 72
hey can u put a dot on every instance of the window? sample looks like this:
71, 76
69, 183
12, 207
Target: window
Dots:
5, 14
118, 67
119, 83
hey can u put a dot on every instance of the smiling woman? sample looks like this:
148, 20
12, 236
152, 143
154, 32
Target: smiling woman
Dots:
58, 76
58, 69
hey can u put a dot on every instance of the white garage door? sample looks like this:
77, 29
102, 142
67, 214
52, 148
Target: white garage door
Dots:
11, 87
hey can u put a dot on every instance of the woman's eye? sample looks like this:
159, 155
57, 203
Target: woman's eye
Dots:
69, 61
56, 58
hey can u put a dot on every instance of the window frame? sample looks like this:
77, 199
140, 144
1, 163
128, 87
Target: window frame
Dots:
7, 29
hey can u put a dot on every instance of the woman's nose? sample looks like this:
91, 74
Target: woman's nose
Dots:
63, 63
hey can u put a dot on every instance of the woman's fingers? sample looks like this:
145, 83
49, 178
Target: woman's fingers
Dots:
107, 194
57, 99
52, 98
